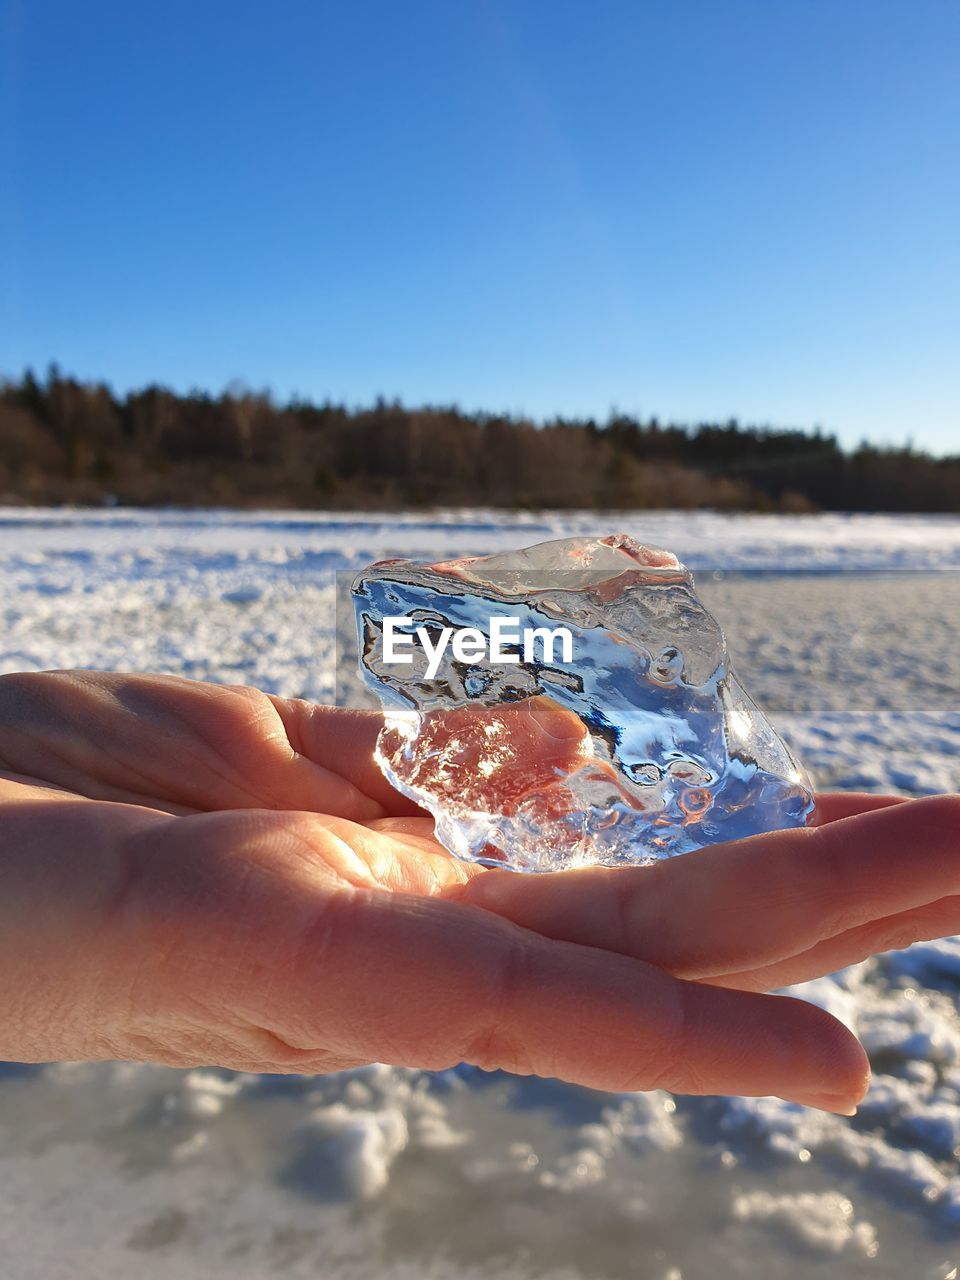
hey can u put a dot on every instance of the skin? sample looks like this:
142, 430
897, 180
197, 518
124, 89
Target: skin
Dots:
194, 874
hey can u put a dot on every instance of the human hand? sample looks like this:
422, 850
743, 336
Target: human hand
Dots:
193, 874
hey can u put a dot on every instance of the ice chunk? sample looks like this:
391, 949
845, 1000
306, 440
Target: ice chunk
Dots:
566, 704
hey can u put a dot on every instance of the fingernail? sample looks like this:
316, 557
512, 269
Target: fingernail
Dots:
836, 1103
554, 721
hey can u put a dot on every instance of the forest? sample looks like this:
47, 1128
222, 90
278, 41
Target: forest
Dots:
63, 440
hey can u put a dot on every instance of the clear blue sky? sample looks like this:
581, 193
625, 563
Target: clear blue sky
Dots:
693, 208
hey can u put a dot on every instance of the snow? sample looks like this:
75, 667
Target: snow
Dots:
823, 1222
845, 628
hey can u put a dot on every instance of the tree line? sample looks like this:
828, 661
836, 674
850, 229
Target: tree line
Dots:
64, 440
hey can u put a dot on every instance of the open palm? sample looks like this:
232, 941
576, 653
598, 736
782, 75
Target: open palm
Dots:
196, 874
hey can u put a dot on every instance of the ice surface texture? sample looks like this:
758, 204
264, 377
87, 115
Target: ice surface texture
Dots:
641, 746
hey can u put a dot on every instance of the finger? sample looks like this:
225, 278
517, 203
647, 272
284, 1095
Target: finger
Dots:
497, 758
235, 939
342, 740
833, 805
416, 981
890, 933
401, 854
537, 743
178, 745
750, 903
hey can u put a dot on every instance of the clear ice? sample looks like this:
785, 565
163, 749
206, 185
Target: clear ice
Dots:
641, 746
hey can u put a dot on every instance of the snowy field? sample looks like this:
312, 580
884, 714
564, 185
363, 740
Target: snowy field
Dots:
846, 628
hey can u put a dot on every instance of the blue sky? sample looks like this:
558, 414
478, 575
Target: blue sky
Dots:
694, 209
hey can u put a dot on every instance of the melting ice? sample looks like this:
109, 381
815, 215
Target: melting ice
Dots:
632, 742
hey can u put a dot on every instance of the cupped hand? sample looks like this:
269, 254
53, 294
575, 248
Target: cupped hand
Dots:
195, 874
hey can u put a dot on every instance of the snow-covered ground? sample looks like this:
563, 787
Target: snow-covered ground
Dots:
846, 628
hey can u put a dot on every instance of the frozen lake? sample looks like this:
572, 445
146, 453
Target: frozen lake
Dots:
846, 629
